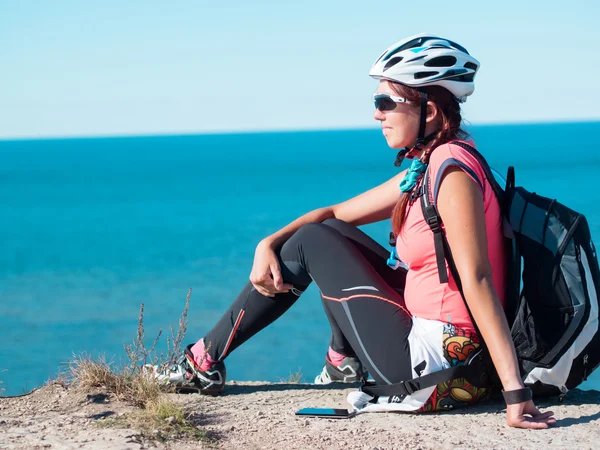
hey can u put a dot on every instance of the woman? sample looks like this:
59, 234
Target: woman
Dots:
399, 323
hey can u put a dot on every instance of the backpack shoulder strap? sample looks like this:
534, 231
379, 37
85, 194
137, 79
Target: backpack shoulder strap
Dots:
442, 248
434, 221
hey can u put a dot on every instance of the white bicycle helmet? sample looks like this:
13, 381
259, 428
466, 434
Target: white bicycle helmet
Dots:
427, 60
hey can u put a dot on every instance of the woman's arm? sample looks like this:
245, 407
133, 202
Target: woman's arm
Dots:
372, 206
460, 204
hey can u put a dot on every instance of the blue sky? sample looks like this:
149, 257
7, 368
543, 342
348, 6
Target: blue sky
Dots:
90, 68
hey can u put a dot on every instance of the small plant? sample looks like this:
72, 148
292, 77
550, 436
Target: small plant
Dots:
136, 352
139, 356
176, 339
137, 389
294, 378
158, 417
170, 418
160, 420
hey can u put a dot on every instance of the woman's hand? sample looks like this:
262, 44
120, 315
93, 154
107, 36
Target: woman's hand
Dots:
516, 416
266, 273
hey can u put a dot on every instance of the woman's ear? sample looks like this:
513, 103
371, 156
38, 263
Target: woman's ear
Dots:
432, 112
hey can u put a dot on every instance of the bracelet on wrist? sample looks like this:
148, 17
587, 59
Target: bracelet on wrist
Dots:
517, 396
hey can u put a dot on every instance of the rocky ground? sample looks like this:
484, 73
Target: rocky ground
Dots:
261, 416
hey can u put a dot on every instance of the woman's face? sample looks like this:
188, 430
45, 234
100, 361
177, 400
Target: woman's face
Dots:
400, 126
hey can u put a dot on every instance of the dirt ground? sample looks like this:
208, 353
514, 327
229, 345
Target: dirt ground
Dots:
259, 415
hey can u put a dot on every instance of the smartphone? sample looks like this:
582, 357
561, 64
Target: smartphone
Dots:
328, 413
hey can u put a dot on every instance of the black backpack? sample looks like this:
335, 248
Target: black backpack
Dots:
551, 299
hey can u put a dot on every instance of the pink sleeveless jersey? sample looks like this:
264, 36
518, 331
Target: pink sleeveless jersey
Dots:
425, 296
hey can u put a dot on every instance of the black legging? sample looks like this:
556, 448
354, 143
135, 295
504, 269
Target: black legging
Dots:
362, 297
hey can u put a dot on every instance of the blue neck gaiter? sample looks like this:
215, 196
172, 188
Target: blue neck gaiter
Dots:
415, 171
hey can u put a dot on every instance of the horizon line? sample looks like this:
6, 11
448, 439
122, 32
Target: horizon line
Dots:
242, 131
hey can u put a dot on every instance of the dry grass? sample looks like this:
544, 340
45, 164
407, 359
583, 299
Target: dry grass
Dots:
294, 378
165, 419
162, 421
139, 388
157, 416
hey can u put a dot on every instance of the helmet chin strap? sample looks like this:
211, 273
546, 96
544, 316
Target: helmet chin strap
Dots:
422, 122
421, 139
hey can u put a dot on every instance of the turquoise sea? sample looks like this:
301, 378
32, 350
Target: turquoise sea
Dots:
91, 228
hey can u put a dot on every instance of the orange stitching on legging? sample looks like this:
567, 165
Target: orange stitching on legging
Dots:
232, 335
367, 295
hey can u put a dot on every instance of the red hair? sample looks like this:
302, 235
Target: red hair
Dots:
449, 112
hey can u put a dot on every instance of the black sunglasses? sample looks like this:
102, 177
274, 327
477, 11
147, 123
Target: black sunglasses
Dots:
387, 102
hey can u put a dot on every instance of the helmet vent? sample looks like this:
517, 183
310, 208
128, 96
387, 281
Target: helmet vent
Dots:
456, 75
415, 59
470, 65
414, 43
411, 44
420, 75
392, 62
441, 61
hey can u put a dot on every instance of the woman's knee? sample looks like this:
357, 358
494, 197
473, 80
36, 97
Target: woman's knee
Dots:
310, 239
311, 236
310, 231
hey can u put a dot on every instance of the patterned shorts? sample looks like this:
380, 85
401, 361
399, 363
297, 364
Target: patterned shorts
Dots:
458, 344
